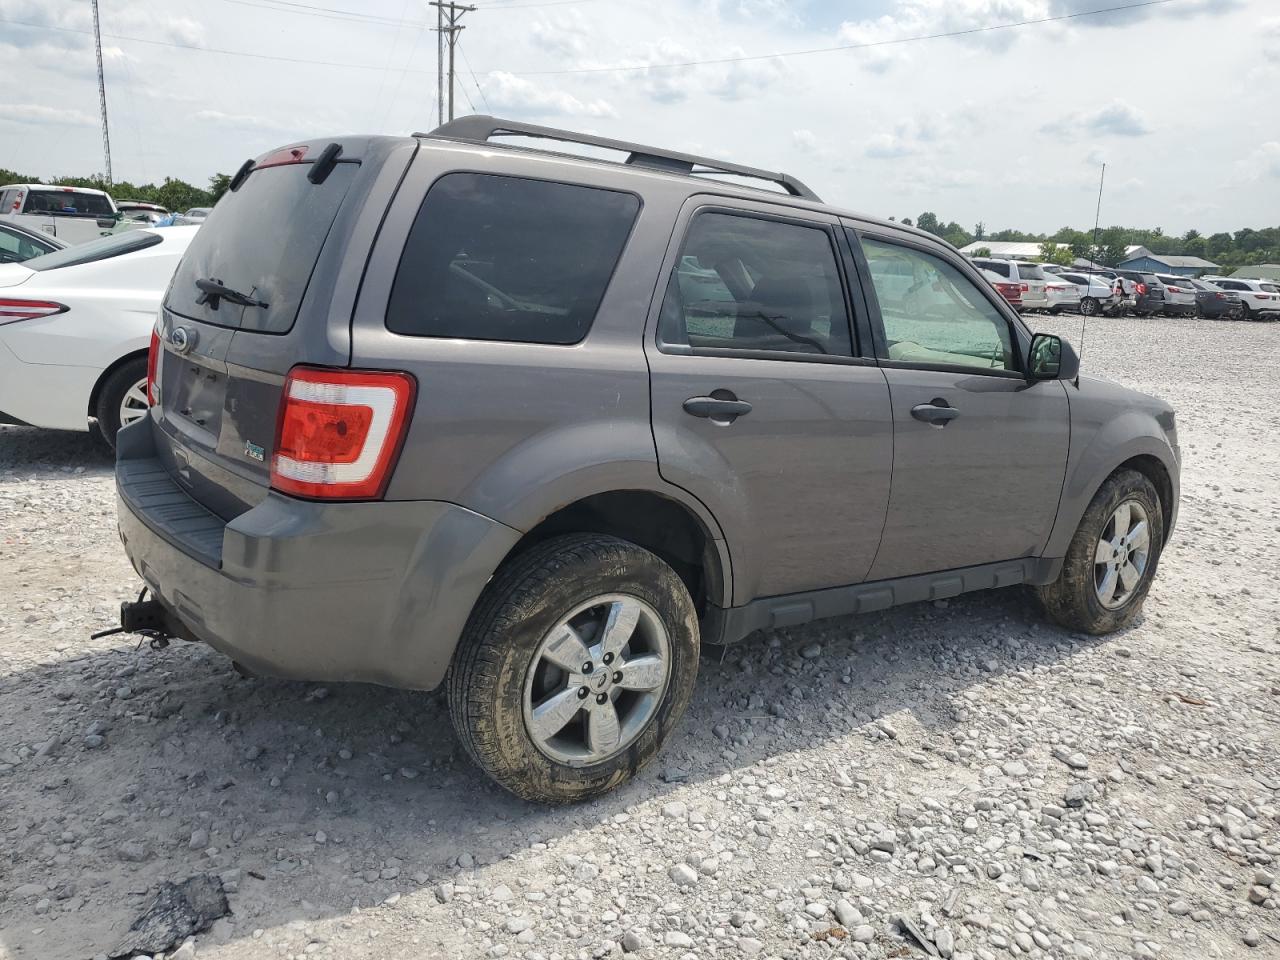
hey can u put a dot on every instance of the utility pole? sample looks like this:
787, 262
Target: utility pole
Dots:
452, 11
102, 91
439, 63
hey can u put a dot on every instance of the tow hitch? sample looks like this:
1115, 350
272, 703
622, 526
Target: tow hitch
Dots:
146, 617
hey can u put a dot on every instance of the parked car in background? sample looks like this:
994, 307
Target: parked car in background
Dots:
74, 330
1148, 291
1258, 298
1214, 303
193, 217
139, 211
72, 214
1011, 290
1180, 295
422, 416
1097, 294
1028, 275
19, 243
1063, 293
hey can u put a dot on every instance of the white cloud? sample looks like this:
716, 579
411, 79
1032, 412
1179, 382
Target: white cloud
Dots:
886, 146
35, 113
522, 97
239, 120
1118, 118
1262, 164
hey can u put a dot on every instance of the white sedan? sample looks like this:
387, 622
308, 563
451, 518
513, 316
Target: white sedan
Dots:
75, 326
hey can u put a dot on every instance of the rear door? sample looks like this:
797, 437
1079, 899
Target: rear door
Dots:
979, 452
762, 407
296, 246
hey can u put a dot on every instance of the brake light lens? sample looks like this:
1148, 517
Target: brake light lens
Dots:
340, 432
1142, 288
153, 357
13, 310
282, 158
1026, 287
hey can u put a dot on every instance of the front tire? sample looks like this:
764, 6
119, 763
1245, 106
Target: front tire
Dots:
1111, 560
1245, 312
576, 665
122, 399
1089, 306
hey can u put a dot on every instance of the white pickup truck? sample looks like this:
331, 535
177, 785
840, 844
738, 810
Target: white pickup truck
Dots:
72, 214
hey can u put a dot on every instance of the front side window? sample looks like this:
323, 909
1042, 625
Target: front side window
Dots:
933, 314
744, 283
505, 258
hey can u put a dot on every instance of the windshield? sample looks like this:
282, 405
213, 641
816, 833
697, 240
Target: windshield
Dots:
101, 249
66, 202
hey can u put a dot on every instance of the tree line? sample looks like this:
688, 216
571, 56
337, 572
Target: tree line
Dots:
1244, 247
172, 194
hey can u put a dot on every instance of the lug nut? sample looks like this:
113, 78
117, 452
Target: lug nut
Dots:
588, 667
602, 698
582, 693
608, 658
617, 677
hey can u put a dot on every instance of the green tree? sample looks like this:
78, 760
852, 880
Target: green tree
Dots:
928, 222
906, 221
1051, 252
979, 231
981, 252
218, 185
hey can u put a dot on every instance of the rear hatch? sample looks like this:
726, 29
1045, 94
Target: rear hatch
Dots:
293, 243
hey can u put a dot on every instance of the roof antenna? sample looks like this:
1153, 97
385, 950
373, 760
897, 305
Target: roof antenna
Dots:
1093, 259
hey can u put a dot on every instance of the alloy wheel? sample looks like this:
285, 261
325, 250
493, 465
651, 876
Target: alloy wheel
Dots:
596, 680
1121, 556
133, 405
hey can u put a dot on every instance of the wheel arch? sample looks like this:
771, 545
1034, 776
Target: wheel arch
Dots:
663, 524
96, 392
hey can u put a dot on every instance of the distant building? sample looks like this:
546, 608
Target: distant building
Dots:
1004, 249
1259, 271
1143, 259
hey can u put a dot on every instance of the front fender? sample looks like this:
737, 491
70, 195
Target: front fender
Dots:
1101, 441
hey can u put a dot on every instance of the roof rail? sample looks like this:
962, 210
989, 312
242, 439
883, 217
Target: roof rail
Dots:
480, 129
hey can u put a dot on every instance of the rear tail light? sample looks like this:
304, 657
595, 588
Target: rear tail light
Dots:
340, 431
12, 310
1142, 288
1220, 296
153, 356
1025, 287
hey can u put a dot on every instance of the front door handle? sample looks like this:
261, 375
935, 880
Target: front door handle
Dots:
937, 412
714, 408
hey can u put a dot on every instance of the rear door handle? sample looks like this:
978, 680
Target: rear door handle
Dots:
937, 412
713, 408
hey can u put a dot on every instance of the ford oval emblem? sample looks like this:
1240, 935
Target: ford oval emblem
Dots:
182, 339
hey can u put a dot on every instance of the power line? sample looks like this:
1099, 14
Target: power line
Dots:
625, 69
454, 12
479, 89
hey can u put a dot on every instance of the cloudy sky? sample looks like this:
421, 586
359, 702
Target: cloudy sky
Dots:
1007, 126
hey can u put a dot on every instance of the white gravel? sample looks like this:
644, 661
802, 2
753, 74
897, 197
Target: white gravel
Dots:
1004, 786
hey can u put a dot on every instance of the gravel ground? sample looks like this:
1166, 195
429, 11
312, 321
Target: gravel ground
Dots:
1005, 786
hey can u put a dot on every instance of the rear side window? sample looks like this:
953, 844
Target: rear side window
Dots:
757, 285
101, 249
506, 258
68, 203
262, 241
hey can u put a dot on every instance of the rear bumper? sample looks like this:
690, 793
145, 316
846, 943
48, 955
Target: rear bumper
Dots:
374, 592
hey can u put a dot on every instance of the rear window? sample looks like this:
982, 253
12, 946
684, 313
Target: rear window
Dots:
101, 249
1030, 271
1270, 287
1000, 268
504, 258
262, 241
67, 203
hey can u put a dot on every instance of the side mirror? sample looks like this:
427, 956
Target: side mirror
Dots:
1051, 358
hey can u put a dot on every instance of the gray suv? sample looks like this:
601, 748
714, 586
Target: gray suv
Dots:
445, 409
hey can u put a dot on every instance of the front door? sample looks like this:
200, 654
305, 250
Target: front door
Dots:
761, 406
979, 451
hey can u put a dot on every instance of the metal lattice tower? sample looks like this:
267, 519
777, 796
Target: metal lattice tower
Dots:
102, 92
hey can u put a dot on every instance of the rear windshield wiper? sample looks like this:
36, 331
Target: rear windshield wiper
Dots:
213, 291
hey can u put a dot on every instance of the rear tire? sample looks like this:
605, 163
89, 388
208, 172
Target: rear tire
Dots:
505, 675
1245, 312
1089, 307
1075, 599
122, 397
